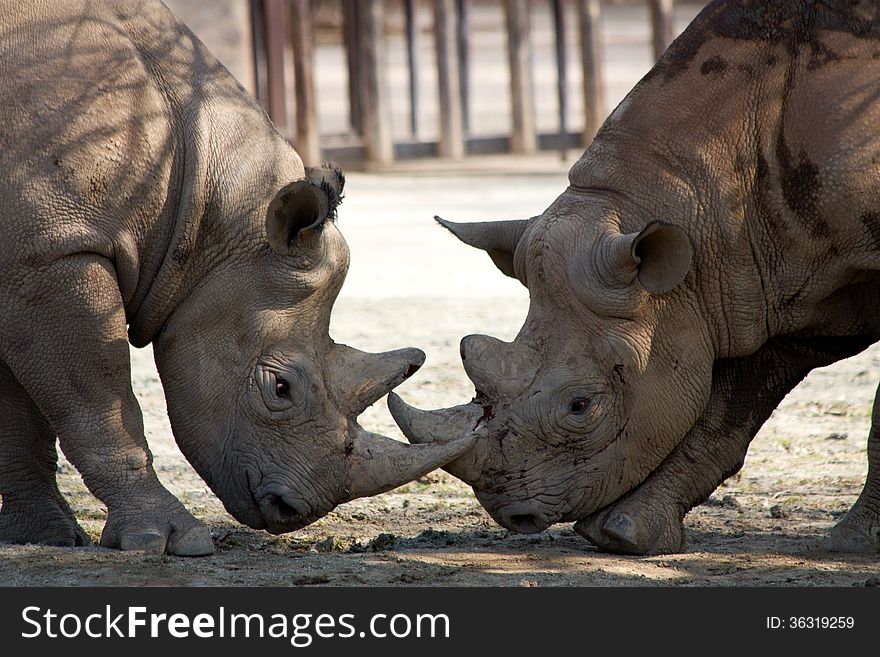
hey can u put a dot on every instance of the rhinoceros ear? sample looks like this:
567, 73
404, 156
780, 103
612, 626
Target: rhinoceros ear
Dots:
300, 209
497, 238
658, 257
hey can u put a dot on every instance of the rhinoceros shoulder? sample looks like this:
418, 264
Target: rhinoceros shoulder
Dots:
793, 24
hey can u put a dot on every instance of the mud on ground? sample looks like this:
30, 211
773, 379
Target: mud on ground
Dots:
410, 284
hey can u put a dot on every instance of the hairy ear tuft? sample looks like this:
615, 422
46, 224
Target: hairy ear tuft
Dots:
330, 178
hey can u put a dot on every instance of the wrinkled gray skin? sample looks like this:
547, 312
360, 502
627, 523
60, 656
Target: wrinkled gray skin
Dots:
719, 239
141, 186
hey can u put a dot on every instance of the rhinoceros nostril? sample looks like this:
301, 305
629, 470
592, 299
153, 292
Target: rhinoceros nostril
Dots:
285, 511
281, 509
524, 521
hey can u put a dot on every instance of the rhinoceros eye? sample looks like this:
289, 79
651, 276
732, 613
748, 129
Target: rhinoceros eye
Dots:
579, 405
282, 388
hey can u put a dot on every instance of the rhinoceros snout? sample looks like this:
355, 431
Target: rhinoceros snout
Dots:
523, 518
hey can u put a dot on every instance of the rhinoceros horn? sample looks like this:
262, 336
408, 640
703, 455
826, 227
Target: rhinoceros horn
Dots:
497, 238
378, 464
499, 370
360, 378
445, 427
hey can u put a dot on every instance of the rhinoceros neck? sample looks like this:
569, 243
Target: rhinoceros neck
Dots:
208, 231
228, 162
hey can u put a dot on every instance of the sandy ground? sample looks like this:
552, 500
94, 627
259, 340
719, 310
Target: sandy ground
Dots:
412, 284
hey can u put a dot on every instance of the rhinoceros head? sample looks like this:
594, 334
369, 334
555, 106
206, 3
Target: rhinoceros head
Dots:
263, 403
600, 383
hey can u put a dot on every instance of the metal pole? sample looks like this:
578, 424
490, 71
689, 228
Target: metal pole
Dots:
374, 91
464, 62
411, 9
662, 28
523, 138
561, 72
275, 12
589, 13
352, 51
258, 40
451, 142
302, 39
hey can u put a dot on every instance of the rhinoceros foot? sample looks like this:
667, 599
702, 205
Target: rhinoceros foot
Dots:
858, 531
45, 522
627, 527
168, 528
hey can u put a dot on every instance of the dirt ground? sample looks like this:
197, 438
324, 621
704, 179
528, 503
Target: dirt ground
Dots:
412, 284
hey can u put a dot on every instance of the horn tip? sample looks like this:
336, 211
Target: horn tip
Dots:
417, 358
397, 406
459, 446
402, 414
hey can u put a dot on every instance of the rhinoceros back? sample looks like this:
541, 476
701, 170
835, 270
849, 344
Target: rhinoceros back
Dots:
86, 128
104, 109
121, 133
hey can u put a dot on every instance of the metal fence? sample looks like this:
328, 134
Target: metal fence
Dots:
284, 46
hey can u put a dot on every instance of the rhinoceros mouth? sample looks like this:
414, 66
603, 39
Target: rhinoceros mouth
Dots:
273, 507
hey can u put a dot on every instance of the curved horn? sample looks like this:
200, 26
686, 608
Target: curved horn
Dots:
497, 238
378, 464
443, 426
440, 426
360, 378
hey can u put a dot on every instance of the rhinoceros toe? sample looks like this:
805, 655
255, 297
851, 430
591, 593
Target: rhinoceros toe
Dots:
150, 542
192, 542
623, 530
850, 536
175, 532
640, 532
43, 523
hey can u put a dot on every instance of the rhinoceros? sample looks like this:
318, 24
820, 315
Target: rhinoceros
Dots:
719, 238
145, 197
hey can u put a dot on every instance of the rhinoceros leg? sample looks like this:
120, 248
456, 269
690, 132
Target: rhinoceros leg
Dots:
69, 351
859, 529
745, 391
33, 510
